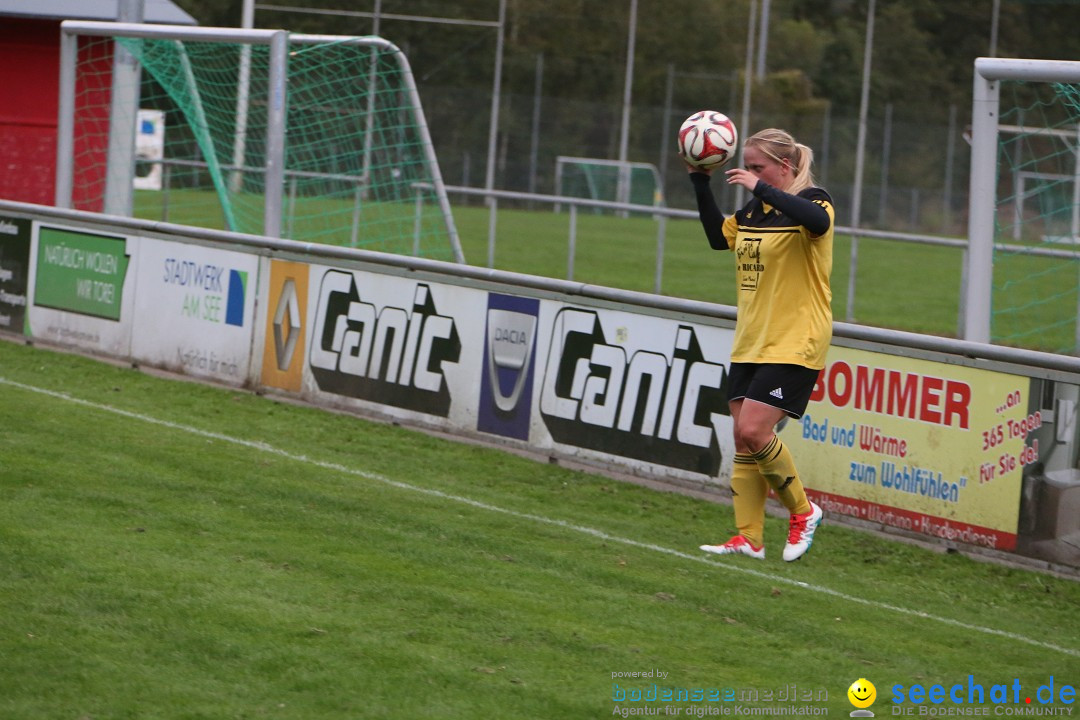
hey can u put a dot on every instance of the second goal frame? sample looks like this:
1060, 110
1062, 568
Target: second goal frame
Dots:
982, 204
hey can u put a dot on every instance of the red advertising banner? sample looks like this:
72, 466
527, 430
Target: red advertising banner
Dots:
918, 445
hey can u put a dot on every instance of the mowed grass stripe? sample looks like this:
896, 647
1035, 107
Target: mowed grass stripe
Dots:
724, 566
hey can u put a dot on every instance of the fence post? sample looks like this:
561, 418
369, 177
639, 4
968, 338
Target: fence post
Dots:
357, 192
661, 233
292, 208
418, 221
166, 181
1074, 223
572, 249
493, 209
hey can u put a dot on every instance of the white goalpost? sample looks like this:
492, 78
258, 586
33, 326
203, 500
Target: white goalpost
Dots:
1058, 79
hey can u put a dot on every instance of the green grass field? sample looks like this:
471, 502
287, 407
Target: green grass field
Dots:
176, 550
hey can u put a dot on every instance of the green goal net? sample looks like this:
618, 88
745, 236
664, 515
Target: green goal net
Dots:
1037, 233
353, 164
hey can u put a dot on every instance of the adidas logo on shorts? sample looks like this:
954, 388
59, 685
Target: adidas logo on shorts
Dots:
777, 393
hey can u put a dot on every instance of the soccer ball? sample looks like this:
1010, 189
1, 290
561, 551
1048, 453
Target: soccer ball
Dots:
707, 139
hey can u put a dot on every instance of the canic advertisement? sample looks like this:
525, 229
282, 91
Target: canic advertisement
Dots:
355, 337
647, 389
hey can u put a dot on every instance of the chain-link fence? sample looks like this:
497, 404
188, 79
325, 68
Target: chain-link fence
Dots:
915, 175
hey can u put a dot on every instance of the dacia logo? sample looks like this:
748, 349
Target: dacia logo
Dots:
506, 380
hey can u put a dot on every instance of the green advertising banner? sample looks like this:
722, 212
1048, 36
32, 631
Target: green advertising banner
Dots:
80, 272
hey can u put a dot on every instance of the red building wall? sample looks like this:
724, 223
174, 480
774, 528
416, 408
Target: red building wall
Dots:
29, 79
29, 100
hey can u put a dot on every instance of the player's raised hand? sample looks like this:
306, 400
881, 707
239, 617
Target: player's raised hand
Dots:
695, 169
742, 176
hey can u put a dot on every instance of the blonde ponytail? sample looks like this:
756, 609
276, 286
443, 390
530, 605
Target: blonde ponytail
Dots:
781, 146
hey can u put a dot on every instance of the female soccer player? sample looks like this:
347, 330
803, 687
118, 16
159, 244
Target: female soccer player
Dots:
782, 241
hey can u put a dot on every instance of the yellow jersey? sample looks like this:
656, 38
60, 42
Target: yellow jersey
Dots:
782, 273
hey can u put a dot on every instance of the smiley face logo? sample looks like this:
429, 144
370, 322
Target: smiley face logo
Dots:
862, 693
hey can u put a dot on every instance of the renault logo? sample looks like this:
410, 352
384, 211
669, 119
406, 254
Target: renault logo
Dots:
286, 325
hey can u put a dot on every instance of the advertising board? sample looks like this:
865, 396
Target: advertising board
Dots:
195, 309
81, 289
918, 445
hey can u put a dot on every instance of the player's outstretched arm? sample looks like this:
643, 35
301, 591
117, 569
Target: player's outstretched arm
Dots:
712, 220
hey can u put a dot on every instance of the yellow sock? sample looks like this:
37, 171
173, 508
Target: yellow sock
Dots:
748, 491
776, 464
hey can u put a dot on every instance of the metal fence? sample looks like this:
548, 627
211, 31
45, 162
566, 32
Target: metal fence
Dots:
497, 200
661, 215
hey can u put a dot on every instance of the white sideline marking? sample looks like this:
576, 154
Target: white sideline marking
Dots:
600, 534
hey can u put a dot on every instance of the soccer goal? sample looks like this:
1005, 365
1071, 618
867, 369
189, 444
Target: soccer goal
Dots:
310, 137
636, 183
1022, 266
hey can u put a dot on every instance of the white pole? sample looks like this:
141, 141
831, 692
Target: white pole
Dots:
236, 178
123, 115
493, 134
624, 131
994, 13
860, 155
496, 91
65, 131
763, 39
666, 142
534, 148
744, 122
982, 184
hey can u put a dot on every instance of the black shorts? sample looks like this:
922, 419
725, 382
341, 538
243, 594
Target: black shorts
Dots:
787, 387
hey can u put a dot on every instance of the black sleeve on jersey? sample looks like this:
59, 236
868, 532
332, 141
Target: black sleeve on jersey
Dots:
800, 209
711, 217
